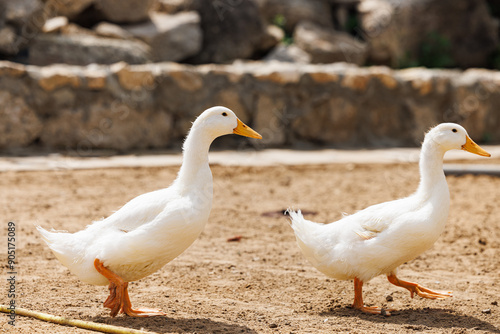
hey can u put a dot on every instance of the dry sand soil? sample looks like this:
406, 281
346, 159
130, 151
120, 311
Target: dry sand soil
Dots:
261, 283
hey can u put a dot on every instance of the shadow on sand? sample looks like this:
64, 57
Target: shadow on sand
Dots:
419, 319
172, 325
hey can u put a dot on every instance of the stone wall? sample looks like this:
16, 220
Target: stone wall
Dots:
125, 107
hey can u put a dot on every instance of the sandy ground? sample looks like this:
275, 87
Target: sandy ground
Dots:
262, 283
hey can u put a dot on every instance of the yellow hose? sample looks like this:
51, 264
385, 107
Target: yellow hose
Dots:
73, 322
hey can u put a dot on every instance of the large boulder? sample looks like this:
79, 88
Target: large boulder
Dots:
124, 11
329, 46
431, 33
171, 37
20, 22
86, 49
231, 30
294, 11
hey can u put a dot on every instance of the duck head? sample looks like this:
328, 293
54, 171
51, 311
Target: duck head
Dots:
449, 136
219, 121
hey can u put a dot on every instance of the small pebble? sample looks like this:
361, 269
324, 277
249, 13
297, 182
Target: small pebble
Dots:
273, 326
487, 311
494, 303
389, 298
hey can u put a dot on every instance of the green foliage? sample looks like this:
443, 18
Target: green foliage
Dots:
280, 21
435, 51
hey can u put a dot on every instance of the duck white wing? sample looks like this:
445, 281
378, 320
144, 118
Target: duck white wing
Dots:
147, 248
349, 246
131, 254
376, 219
139, 211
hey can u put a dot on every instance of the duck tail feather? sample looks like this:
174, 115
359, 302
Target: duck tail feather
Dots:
295, 217
305, 230
49, 236
57, 241
298, 223
46, 235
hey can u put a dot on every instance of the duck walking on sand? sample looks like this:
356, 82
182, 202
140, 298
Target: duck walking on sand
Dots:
152, 229
380, 238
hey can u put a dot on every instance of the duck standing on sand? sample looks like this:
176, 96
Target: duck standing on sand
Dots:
152, 229
380, 238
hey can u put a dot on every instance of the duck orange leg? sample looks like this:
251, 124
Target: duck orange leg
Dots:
118, 300
112, 295
418, 289
358, 301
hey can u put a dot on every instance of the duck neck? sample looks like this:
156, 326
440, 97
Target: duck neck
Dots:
431, 169
195, 166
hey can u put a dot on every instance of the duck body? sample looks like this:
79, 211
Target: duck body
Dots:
152, 229
169, 226
390, 234
378, 239
146, 233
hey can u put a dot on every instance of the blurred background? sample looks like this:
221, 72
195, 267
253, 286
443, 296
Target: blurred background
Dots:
125, 75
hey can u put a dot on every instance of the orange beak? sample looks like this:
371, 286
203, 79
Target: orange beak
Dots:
244, 130
472, 147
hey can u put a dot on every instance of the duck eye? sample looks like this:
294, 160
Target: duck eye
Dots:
454, 130
224, 114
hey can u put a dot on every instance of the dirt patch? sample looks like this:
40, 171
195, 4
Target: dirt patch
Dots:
261, 283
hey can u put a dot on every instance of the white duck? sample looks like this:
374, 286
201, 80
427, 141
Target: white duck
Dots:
152, 229
380, 238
